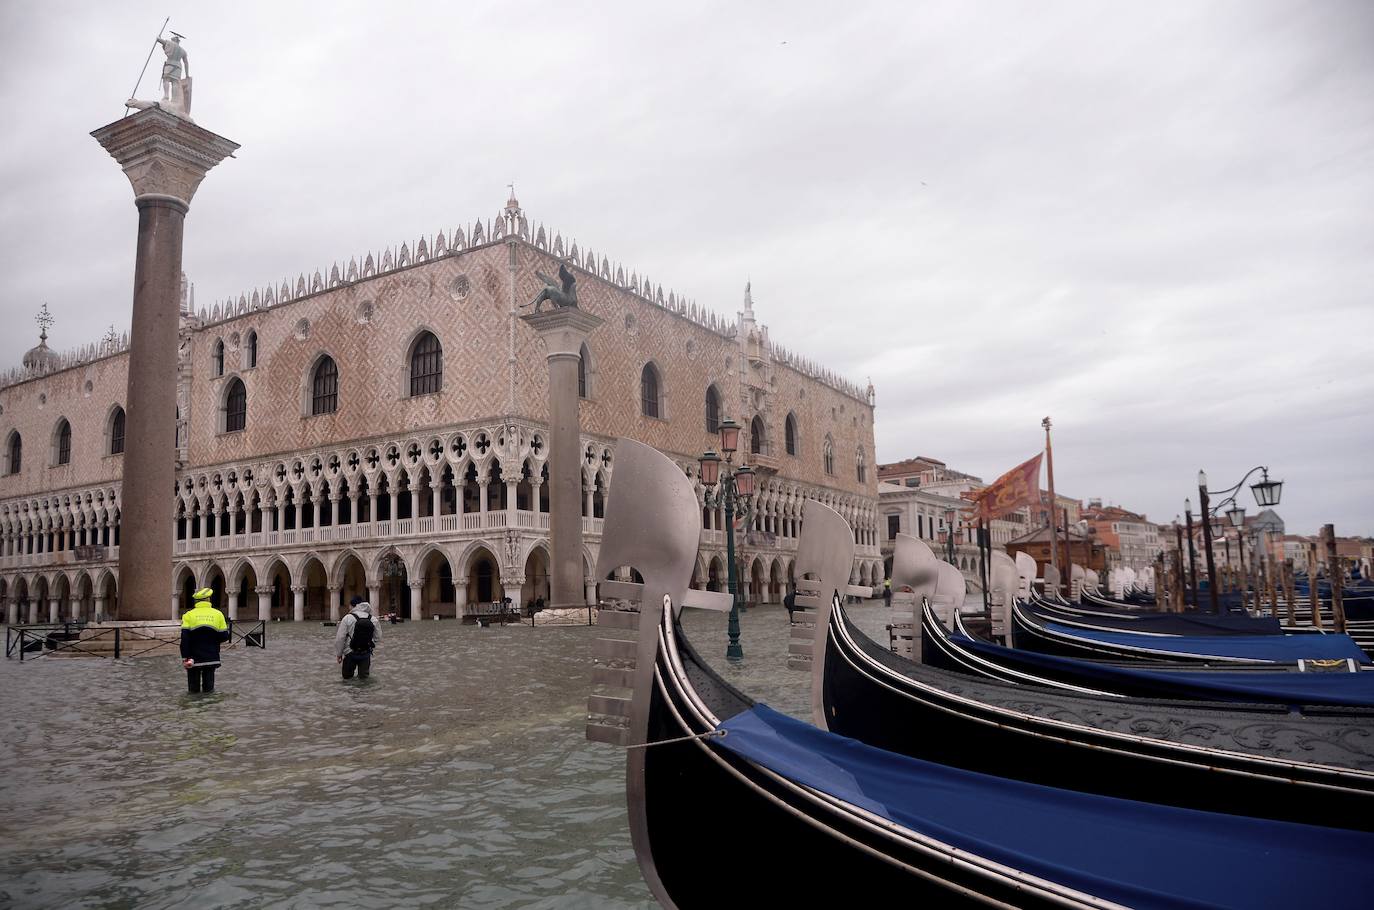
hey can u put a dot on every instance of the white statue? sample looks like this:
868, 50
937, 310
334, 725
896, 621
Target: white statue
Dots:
176, 80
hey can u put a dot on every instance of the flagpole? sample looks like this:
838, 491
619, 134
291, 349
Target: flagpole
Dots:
1049, 474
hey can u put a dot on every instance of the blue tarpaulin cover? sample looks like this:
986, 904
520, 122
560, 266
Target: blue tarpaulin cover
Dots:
1137, 854
1279, 648
1278, 687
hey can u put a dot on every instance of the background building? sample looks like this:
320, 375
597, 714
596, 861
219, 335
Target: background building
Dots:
379, 429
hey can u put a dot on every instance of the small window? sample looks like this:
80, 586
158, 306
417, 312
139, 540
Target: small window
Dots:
64, 443
790, 434
117, 432
217, 357
649, 392
828, 456
712, 410
861, 466
894, 526
324, 387
252, 350
913, 481
235, 407
584, 371
426, 365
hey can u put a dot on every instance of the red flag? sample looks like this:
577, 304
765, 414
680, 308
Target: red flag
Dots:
1018, 487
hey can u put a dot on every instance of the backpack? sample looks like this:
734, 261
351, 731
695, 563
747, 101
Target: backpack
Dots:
363, 633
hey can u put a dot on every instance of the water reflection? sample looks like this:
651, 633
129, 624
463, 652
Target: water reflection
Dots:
457, 775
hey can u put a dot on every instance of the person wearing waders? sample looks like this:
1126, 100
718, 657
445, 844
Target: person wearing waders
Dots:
202, 629
359, 632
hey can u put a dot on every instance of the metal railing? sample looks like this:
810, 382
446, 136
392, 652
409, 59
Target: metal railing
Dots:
45, 639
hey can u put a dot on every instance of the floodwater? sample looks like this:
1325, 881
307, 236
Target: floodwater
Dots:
457, 776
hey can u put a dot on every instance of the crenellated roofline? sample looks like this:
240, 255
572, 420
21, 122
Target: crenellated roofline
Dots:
509, 224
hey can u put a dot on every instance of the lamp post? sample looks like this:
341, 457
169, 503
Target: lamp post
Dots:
1192, 554
949, 536
1266, 492
736, 489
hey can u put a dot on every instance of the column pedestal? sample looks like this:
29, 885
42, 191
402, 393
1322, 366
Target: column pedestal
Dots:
564, 330
165, 157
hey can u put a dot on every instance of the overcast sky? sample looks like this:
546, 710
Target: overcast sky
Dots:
1154, 222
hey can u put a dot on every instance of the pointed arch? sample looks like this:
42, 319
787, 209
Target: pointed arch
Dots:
651, 391
217, 358
322, 388
61, 442
713, 401
14, 452
758, 436
789, 432
424, 364
585, 371
233, 409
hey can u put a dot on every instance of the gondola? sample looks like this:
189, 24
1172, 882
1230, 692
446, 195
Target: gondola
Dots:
1049, 637
1154, 623
1316, 769
1309, 684
828, 818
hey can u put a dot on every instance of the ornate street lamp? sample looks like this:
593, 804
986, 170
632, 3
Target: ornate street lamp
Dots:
736, 491
1266, 493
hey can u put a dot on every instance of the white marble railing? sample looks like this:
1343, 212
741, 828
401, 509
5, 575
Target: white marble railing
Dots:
401, 527
56, 558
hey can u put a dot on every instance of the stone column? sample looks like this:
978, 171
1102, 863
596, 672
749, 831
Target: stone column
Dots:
590, 585
264, 593
99, 610
435, 488
33, 612
374, 596
231, 604
176, 606
460, 597
416, 589
74, 610
165, 158
564, 330
298, 603
12, 612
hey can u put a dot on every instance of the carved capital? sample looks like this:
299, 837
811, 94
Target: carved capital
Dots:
563, 329
162, 154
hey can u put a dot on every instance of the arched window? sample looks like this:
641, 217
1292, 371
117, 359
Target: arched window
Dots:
861, 466
426, 365
584, 369
14, 453
790, 434
62, 443
217, 357
828, 455
117, 431
324, 387
235, 407
650, 390
251, 349
758, 439
712, 410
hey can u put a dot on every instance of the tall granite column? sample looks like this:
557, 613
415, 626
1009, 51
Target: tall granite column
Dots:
564, 329
165, 157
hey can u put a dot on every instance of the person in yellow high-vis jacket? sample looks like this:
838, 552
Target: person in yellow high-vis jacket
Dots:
202, 629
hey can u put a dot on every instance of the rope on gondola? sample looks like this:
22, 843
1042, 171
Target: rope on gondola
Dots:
680, 739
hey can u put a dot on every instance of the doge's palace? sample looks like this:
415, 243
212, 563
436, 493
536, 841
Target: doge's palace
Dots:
379, 428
